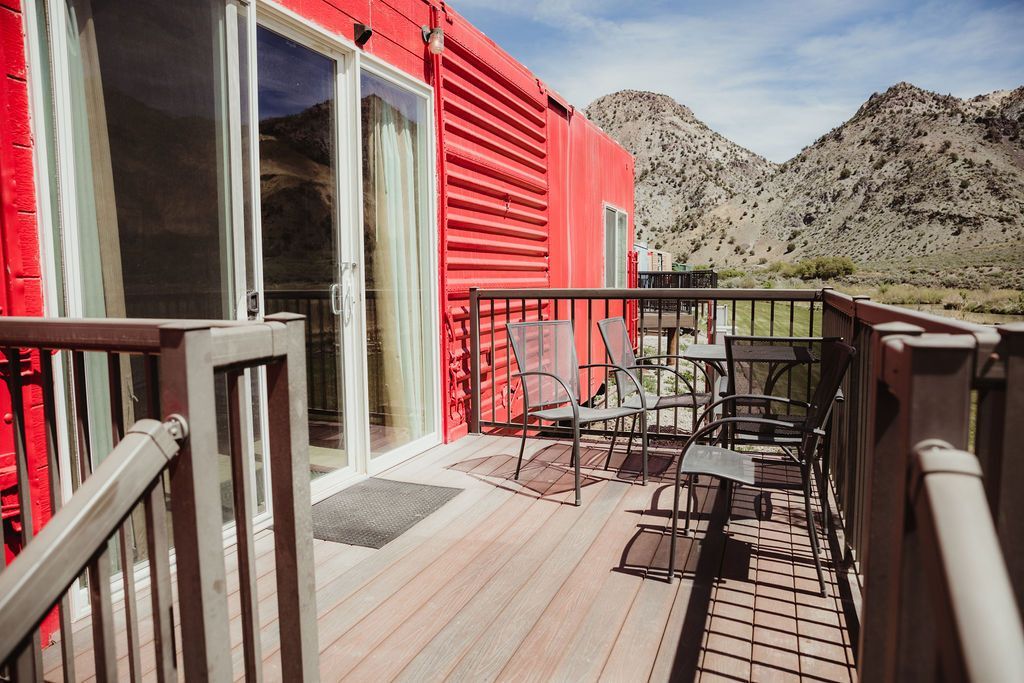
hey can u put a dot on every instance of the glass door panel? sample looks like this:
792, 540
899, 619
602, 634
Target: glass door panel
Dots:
146, 219
298, 195
397, 254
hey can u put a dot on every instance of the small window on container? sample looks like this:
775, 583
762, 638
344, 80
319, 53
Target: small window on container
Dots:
616, 229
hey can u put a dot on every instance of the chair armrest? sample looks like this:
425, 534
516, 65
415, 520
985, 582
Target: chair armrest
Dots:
571, 399
665, 368
636, 383
678, 358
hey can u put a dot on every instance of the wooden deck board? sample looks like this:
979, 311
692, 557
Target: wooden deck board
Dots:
441, 602
510, 581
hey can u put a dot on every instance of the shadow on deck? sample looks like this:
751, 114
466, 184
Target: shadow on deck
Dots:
509, 580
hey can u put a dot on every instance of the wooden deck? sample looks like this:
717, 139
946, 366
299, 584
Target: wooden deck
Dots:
509, 581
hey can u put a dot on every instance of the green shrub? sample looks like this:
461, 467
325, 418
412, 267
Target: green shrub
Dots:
823, 268
729, 271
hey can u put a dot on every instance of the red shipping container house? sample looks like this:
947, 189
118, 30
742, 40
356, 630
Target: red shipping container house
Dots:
400, 158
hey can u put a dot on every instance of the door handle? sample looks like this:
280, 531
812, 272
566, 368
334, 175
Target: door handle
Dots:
348, 306
335, 296
348, 298
252, 304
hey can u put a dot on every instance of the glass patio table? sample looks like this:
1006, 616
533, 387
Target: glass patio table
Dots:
715, 354
778, 358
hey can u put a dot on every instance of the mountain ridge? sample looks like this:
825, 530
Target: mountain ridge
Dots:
909, 182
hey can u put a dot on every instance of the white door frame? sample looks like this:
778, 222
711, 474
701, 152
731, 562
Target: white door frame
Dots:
350, 61
349, 164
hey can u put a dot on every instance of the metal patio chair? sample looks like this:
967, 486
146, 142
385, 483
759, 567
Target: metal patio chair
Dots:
620, 352
782, 367
545, 352
734, 467
758, 366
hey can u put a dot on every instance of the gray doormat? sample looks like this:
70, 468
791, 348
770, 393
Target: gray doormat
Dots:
376, 511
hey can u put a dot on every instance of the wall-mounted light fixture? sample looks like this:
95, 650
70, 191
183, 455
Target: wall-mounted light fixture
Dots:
434, 38
361, 33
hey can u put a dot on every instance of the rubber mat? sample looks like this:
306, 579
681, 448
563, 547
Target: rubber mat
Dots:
376, 511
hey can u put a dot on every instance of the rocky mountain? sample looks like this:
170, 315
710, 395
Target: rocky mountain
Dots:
683, 168
915, 183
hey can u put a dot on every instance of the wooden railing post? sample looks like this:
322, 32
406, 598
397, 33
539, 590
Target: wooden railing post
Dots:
923, 387
289, 482
999, 443
187, 388
871, 344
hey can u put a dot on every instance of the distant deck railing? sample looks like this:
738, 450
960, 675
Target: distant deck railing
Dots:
916, 378
674, 279
677, 279
168, 371
323, 346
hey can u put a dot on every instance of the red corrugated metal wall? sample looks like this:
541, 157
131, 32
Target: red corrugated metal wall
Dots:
495, 206
519, 200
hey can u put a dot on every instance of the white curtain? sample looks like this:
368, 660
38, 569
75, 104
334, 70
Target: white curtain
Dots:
397, 267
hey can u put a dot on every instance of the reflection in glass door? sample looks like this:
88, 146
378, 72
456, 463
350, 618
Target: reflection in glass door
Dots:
298, 195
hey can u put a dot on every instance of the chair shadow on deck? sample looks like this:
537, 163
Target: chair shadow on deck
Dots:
721, 553
547, 473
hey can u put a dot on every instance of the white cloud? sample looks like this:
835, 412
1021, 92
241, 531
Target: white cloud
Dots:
771, 76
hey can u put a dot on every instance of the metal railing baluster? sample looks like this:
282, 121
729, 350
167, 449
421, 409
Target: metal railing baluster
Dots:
241, 486
67, 638
125, 540
30, 660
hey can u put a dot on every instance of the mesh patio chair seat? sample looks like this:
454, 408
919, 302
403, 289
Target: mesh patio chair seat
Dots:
549, 370
656, 402
735, 467
586, 414
619, 348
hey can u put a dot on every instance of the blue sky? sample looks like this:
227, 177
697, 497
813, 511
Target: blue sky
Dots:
770, 75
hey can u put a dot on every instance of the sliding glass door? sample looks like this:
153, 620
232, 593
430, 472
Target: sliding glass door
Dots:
302, 273
139, 134
368, 295
209, 163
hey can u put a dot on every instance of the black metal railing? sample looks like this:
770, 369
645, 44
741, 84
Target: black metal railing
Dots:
677, 279
496, 398
674, 279
323, 346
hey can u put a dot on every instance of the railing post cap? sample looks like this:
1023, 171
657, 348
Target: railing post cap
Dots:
284, 317
898, 327
941, 341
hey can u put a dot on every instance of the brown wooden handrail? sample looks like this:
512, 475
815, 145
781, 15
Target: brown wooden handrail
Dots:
46, 568
979, 631
180, 360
